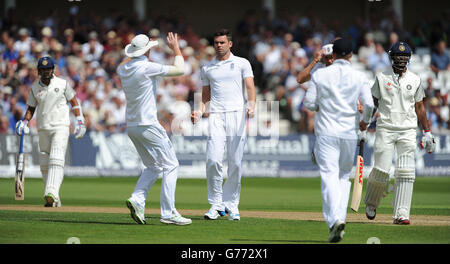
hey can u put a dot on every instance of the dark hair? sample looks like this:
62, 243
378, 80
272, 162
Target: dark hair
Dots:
223, 32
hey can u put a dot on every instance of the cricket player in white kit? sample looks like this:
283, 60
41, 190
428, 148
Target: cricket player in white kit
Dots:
140, 78
223, 81
50, 95
398, 96
333, 95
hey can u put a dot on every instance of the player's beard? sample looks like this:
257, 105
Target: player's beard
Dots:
46, 75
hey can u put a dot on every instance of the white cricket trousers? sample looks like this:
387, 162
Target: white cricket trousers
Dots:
227, 131
335, 158
52, 152
157, 153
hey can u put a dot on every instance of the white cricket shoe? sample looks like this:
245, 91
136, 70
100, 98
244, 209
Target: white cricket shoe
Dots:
371, 212
337, 232
51, 201
136, 212
233, 215
176, 220
212, 214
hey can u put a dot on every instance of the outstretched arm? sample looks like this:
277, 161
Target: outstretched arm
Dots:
177, 68
305, 75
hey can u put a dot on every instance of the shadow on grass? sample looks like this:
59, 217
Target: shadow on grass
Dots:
88, 222
282, 241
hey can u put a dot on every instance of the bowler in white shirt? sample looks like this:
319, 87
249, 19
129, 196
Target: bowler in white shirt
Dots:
224, 79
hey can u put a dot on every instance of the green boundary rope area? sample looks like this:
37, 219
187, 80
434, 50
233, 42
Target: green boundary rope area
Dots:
274, 211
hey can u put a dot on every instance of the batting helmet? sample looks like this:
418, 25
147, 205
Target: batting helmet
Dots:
400, 53
45, 63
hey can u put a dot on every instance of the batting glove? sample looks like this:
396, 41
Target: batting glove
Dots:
80, 129
22, 127
362, 135
428, 142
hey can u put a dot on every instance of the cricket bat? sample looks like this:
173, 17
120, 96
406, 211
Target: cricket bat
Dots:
358, 182
20, 172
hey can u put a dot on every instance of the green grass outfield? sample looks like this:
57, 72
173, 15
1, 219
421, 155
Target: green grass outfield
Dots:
431, 198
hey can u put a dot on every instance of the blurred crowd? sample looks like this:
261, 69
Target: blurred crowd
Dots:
88, 49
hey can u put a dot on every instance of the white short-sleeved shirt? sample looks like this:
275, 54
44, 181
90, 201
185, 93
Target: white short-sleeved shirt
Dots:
140, 79
397, 98
226, 81
334, 94
51, 102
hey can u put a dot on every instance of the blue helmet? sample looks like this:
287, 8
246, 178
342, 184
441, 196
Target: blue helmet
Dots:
400, 48
45, 63
400, 53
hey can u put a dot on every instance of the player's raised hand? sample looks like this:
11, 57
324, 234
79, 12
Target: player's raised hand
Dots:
172, 41
318, 56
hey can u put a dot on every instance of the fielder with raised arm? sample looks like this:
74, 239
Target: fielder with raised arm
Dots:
224, 79
333, 95
50, 95
140, 78
398, 96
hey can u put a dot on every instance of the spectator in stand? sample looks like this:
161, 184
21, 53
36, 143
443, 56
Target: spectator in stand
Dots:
368, 49
4, 125
393, 38
5, 96
440, 60
3, 40
93, 49
24, 43
295, 32
378, 61
10, 53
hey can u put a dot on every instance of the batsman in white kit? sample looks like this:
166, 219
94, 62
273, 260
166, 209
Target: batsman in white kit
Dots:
398, 97
50, 96
140, 78
223, 81
333, 95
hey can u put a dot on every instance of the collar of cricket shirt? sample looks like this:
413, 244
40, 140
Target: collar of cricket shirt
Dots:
220, 62
142, 57
43, 84
341, 61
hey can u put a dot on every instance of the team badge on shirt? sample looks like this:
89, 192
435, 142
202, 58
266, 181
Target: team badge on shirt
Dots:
388, 87
409, 87
56, 90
